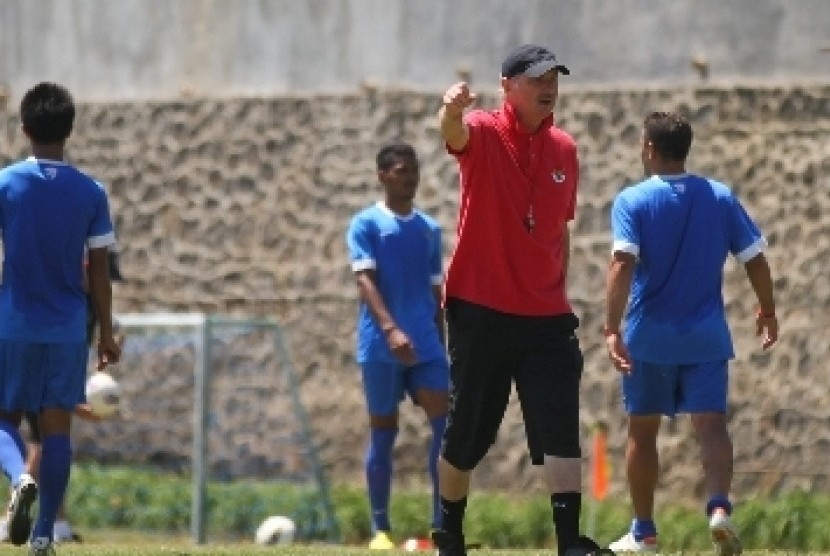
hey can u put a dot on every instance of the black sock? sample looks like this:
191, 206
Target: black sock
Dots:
566, 507
452, 515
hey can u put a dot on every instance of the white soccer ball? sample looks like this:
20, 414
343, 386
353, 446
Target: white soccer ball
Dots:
103, 394
276, 529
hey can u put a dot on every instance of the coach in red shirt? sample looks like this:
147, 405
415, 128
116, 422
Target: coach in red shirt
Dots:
508, 315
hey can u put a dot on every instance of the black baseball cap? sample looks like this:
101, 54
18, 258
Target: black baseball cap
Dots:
531, 60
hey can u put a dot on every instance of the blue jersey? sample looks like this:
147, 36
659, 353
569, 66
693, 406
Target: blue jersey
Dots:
681, 229
50, 213
405, 253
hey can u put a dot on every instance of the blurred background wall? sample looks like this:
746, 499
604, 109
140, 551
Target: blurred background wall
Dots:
138, 49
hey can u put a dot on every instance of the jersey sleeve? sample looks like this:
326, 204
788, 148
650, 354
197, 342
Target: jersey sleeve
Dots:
626, 236
101, 232
475, 121
361, 248
745, 239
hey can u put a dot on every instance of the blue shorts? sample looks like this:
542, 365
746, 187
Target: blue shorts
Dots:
385, 383
653, 389
34, 376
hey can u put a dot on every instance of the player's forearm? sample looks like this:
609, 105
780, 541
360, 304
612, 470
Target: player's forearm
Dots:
100, 290
370, 295
618, 286
453, 129
760, 276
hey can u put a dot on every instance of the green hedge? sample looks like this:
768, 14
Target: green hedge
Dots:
141, 499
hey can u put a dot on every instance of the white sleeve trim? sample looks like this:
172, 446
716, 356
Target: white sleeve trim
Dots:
625, 247
752, 251
95, 242
363, 264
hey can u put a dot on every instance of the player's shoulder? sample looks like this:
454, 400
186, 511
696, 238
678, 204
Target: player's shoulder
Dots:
429, 220
484, 121
640, 189
719, 188
16, 169
561, 136
80, 176
369, 212
366, 216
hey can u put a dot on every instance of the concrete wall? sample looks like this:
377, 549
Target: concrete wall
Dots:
240, 205
140, 49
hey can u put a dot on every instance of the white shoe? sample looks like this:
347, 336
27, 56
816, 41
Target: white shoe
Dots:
41, 546
629, 544
63, 532
724, 535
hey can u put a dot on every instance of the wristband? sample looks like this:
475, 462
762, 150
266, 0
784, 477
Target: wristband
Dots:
761, 314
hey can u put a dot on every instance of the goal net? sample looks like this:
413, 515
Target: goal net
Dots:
218, 397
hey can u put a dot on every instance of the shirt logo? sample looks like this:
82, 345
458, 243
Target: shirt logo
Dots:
50, 172
558, 176
680, 187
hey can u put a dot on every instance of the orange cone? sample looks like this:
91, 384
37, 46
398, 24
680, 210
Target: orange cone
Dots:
600, 467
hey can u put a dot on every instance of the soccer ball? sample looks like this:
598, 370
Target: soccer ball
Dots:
103, 394
276, 529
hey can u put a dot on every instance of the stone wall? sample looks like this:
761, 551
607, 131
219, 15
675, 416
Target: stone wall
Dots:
239, 206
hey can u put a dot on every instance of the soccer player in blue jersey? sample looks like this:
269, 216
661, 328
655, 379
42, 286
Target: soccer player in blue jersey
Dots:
395, 253
50, 214
672, 234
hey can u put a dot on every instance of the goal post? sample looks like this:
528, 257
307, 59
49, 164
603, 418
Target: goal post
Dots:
222, 364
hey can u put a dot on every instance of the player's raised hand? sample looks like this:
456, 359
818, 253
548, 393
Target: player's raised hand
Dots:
453, 129
457, 98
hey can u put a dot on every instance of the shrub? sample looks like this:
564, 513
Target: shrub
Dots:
142, 499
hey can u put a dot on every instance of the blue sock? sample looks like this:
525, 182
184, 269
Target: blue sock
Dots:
642, 528
12, 451
379, 475
438, 426
718, 501
54, 477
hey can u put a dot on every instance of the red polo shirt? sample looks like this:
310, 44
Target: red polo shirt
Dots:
505, 170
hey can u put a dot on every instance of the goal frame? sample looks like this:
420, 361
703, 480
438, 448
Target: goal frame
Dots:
204, 325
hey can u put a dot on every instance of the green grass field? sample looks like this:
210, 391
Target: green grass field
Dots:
183, 549
128, 543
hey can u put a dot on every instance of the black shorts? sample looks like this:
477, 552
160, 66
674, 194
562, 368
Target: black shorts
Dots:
490, 350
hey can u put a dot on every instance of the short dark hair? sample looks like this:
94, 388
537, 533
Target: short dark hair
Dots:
47, 113
389, 153
670, 133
